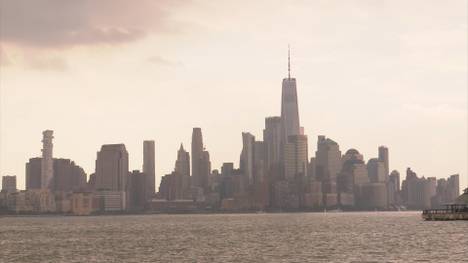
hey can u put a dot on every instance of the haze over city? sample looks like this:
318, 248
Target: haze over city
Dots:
368, 73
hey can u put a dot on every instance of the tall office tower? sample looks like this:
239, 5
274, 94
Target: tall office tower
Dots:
137, 187
394, 188
205, 170
289, 106
328, 163
47, 165
149, 168
197, 150
259, 162
68, 176
272, 140
33, 173
247, 157
383, 157
295, 157
395, 178
112, 167
9, 184
376, 171
182, 167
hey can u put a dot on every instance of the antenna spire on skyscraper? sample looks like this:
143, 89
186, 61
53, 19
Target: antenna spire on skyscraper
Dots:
289, 62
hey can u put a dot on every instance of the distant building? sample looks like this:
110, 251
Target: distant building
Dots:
447, 191
272, 142
247, 157
112, 171
47, 169
295, 157
182, 167
418, 192
149, 168
84, 203
197, 151
394, 188
328, 165
9, 183
67, 176
289, 107
352, 177
136, 190
376, 171
383, 157
33, 173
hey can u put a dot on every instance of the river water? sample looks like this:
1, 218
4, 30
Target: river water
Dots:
294, 237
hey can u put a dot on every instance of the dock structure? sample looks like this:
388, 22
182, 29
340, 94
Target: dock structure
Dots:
450, 212
456, 211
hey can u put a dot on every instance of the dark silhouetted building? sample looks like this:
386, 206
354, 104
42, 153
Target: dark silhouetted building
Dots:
9, 184
149, 168
33, 174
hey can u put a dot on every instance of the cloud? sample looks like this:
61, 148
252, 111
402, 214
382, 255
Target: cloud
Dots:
66, 23
47, 64
164, 62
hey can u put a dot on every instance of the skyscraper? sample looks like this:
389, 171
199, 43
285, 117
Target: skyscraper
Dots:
197, 151
376, 171
272, 140
295, 157
289, 106
47, 166
112, 171
112, 167
149, 167
328, 165
247, 157
182, 168
383, 157
33, 173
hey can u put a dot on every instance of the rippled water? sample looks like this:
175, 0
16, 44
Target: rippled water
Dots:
304, 237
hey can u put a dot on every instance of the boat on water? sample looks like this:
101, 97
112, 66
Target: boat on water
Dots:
455, 211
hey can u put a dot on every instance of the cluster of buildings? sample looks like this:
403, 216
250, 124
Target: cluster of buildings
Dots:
276, 173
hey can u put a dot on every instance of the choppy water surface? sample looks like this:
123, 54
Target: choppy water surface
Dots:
305, 237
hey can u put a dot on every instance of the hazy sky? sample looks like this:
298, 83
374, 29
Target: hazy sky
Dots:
369, 73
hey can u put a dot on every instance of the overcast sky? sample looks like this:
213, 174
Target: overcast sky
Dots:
369, 73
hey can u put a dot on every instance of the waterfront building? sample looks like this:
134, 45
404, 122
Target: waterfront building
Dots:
83, 203
149, 168
110, 201
9, 184
47, 169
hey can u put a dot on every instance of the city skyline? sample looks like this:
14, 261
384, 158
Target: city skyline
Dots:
361, 108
